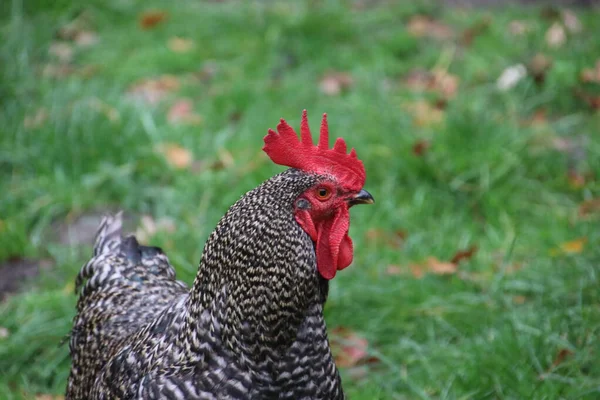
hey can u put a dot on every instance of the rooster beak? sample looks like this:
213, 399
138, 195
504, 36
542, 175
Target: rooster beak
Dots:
362, 197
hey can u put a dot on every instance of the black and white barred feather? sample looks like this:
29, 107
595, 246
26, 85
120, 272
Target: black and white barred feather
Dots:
251, 327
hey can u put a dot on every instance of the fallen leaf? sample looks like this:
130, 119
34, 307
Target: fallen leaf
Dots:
150, 19
571, 247
393, 270
182, 111
438, 267
538, 119
555, 35
4, 333
62, 51
420, 147
591, 74
424, 114
475, 30
180, 45
519, 299
561, 356
86, 38
464, 255
333, 83
176, 155
592, 100
550, 13
575, 178
518, 27
225, 160
589, 207
348, 348
438, 80
36, 120
417, 270
111, 113
57, 70
153, 90
510, 77
424, 26
539, 66
571, 21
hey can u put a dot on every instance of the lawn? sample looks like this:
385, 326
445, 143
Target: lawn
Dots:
476, 273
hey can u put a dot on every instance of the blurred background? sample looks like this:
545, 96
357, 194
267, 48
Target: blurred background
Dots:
476, 273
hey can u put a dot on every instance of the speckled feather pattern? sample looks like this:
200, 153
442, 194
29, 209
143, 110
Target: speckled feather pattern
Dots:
251, 326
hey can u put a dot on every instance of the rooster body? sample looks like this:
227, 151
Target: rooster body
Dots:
251, 326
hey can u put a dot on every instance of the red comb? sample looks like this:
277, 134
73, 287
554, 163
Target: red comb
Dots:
284, 148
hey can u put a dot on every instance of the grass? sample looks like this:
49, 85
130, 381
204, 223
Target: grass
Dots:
490, 178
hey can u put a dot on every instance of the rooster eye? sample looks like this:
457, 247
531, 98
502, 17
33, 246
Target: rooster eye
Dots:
323, 193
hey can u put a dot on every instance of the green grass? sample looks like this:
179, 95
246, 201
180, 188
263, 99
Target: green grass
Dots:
488, 180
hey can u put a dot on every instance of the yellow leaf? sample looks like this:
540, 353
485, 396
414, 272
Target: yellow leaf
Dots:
574, 246
180, 45
571, 247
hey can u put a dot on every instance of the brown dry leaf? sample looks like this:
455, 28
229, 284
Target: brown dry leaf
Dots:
49, 397
182, 112
393, 270
592, 100
424, 114
36, 120
180, 45
539, 119
591, 74
561, 356
576, 179
4, 333
464, 255
538, 66
348, 348
475, 30
571, 21
62, 51
420, 147
589, 207
518, 27
86, 38
518, 299
333, 83
555, 35
417, 270
424, 26
176, 155
438, 80
438, 267
152, 91
150, 19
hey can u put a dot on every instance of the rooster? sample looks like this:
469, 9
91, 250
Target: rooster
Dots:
251, 326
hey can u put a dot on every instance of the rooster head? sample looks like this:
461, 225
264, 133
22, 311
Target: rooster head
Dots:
323, 209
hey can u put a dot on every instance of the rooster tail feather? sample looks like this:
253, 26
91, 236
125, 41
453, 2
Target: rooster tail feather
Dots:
108, 240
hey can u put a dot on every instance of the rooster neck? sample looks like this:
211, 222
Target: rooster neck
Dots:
264, 264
